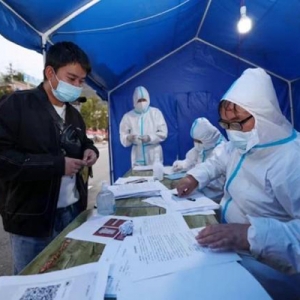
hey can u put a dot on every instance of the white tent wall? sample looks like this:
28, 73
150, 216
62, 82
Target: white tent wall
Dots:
184, 86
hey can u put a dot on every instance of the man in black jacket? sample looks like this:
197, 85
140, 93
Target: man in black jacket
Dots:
44, 155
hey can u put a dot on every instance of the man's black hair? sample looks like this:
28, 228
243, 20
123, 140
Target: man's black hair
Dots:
65, 53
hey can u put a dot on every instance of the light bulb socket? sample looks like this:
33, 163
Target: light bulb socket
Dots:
243, 10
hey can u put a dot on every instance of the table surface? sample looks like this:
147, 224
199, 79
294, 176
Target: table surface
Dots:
63, 253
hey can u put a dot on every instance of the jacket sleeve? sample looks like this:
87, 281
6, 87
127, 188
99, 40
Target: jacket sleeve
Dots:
16, 163
125, 130
87, 143
213, 167
161, 130
190, 159
280, 241
275, 240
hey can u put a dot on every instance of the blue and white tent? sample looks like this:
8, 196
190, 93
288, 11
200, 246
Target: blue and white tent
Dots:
185, 52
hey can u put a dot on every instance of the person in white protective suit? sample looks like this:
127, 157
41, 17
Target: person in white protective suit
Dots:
143, 128
206, 137
261, 202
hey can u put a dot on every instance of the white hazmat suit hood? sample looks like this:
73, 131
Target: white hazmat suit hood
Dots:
262, 183
254, 92
210, 137
143, 120
141, 93
205, 132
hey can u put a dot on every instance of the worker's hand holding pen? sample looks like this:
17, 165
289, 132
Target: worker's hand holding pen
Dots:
186, 185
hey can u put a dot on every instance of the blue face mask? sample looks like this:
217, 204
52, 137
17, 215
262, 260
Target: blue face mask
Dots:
66, 92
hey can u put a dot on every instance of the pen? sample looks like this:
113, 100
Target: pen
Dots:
191, 199
137, 180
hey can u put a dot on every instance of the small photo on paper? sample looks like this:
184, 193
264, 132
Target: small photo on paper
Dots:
111, 229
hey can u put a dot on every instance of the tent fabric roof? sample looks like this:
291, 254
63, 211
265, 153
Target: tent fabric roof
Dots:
123, 38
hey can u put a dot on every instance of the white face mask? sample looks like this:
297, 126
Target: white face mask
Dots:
198, 146
141, 107
239, 139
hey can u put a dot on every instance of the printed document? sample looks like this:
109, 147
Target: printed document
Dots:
143, 189
104, 229
193, 203
223, 281
86, 282
120, 268
133, 179
162, 253
143, 168
159, 201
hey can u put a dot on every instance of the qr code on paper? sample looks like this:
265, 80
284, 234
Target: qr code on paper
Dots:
41, 293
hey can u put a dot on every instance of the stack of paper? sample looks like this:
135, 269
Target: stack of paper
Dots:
143, 168
159, 201
161, 260
159, 245
133, 179
171, 174
144, 189
223, 281
194, 203
85, 282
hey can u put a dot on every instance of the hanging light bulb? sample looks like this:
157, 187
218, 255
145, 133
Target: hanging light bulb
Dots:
244, 24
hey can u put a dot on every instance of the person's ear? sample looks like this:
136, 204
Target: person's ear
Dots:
49, 72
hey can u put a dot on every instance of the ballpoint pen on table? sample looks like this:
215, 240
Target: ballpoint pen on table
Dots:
140, 180
190, 199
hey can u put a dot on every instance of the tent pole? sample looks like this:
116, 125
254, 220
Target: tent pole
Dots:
20, 17
44, 43
242, 59
111, 168
70, 17
203, 18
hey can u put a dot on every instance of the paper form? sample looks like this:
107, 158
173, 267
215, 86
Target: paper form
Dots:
95, 230
192, 203
86, 282
162, 253
143, 168
120, 267
125, 180
173, 175
168, 170
91, 229
167, 223
137, 189
159, 201
224, 281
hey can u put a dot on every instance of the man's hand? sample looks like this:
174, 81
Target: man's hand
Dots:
145, 138
224, 237
186, 185
73, 166
90, 157
177, 166
133, 138
130, 138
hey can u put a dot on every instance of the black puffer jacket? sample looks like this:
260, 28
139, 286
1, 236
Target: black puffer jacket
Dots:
32, 163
